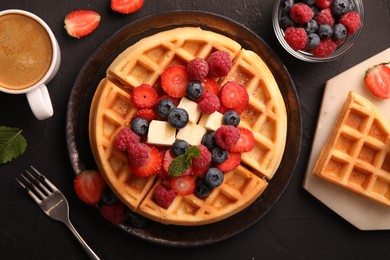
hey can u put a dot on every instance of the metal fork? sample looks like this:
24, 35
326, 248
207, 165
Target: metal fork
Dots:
51, 201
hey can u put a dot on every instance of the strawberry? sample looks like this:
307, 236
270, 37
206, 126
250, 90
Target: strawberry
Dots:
245, 143
152, 165
148, 113
377, 79
144, 96
174, 80
233, 160
234, 96
113, 213
89, 186
167, 159
183, 185
210, 85
126, 6
80, 23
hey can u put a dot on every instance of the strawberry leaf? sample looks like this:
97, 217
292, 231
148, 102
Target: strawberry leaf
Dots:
12, 143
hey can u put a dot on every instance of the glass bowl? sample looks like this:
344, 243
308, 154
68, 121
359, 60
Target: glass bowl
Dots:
306, 55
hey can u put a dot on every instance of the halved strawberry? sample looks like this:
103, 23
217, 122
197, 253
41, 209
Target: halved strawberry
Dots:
210, 85
174, 80
152, 166
377, 79
245, 143
80, 23
167, 159
234, 96
147, 113
233, 160
89, 186
144, 96
183, 185
126, 6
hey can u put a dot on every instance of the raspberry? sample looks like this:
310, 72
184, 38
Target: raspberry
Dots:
301, 13
322, 4
113, 213
198, 69
351, 21
325, 17
296, 38
219, 64
204, 159
325, 48
124, 138
163, 197
227, 136
209, 103
138, 154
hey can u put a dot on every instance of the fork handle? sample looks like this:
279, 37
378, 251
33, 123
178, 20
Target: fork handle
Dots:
87, 249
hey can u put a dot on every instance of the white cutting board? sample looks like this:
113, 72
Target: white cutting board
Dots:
359, 211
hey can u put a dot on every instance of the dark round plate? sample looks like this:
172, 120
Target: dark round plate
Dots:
94, 70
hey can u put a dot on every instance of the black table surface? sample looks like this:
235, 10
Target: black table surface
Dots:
298, 227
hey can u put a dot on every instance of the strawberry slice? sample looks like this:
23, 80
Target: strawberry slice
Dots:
183, 185
144, 96
80, 23
245, 143
147, 113
174, 80
210, 85
152, 165
126, 6
89, 186
377, 79
233, 160
234, 96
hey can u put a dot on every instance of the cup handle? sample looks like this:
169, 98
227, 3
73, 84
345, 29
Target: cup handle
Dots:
40, 102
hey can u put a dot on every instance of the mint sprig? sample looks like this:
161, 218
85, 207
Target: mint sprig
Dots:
12, 143
182, 162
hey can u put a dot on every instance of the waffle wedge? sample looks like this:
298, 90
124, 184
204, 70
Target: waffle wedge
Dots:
144, 62
357, 154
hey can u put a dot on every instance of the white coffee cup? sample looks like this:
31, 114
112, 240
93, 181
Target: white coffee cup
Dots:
18, 62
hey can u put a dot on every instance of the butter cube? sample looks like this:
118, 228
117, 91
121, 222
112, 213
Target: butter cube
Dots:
192, 133
161, 133
211, 121
192, 109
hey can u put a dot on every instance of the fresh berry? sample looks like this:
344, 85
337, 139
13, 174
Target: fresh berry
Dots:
296, 37
80, 23
219, 155
213, 177
198, 69
174, 81
234, 96
208, 140
313, 40
89, 186
126, 6
201, 189
194, 90
210, 85
144, 96
377, 79
285, 22
311, 26
204, 159
219, 63
352, 22
113, 213
166, 160
340, 7
308, 2
152, 165
325, 17
200, 171
183, 185
140, 126
147, 113
285, 5
178, 118
325, 31
339, 31
323, 4
164, 106
226, 136
325, 48
109, 197
231, 117
179, 147
138, 154
209, 103
301, 13
245, 143
125, 137
163, 196
175, 101
234, 159
134, 219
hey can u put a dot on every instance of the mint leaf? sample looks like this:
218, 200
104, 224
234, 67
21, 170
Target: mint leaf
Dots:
182, 162
12, 143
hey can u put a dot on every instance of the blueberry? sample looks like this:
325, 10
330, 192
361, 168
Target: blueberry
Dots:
231, 118
311, 26
140, 126
108, 197
178, 118
219, 155
340, 7
208, 140
164, 106
339, 31
213, 177
201, 189
194, 90
313, 40
134, 219
325, 31
285, 5
308, 2
179, 147
314, 9
286, 22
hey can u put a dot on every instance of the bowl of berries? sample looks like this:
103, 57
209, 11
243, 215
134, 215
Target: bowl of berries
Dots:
318, 30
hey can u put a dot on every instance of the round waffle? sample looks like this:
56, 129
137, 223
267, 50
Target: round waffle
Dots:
144, 62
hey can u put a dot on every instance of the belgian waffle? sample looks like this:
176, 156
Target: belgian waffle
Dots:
144, 62
357, 154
